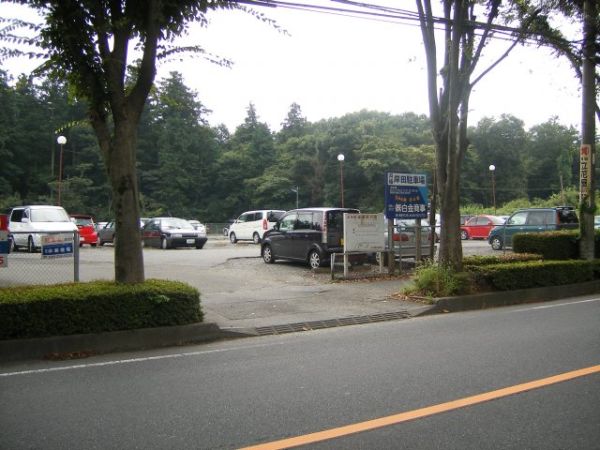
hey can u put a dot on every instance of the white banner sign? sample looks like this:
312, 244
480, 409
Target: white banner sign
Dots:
364, 233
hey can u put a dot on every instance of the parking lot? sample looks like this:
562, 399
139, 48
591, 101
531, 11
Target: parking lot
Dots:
238, 290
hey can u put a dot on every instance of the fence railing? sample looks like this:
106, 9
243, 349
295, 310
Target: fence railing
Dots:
58, 263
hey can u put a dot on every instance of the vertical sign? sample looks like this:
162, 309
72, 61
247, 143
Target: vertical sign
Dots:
4, 240
585, 171
406, 195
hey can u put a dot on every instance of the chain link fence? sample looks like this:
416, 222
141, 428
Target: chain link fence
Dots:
55, 260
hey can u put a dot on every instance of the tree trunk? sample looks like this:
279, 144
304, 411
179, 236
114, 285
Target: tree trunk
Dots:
129, 258
119, 153
588, 126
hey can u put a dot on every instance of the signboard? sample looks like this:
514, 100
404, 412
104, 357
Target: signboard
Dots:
4, 244
57, 246
585, 171
406, 195
364, 233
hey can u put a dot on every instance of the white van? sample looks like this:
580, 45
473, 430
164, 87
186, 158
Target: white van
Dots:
252, 225
27, 224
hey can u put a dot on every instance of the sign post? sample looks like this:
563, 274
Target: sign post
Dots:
406, 197
585, 171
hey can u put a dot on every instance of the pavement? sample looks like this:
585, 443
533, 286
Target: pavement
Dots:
365, 298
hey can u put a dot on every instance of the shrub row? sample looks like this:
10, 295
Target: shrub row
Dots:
552, 244
523, 275
486, 260
76, 308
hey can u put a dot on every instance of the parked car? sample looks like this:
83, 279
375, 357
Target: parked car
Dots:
597, 222
226, 227
479, 227
87, 229
308, 234
252, 225
533, 220
198, 225
172, 232
106, 234
27, 225
411, 225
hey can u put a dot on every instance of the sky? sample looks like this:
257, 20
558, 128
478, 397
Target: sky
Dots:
332, 65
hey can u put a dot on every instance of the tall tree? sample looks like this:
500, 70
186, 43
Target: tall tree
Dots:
89, 44
464, 38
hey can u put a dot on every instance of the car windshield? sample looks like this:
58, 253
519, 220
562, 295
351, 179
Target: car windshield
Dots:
179, 224
82, 222
49, 215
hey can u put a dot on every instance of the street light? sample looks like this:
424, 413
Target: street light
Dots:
340, 158
492, 171
296, 190
61, 140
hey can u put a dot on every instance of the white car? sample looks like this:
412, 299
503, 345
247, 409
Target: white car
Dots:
27, 225
252, 225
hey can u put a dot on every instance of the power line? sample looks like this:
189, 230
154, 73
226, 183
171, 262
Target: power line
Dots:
386, 14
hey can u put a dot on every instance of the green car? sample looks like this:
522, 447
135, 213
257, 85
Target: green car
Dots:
533, 220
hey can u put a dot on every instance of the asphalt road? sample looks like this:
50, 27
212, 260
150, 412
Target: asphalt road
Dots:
245, 392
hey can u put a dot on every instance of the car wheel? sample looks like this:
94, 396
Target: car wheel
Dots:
314, 259
256, 238
464, 235
496, 243
267, 254
164, 244
199, 246
93, 245
101, 243
30, 245
225, 231
232, 238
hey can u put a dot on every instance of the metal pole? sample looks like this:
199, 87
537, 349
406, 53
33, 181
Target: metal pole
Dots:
60, 166
342, 180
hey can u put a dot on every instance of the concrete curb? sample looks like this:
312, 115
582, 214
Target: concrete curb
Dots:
506, 298
79, 345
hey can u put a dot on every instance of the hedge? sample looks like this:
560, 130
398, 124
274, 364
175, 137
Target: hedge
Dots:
550, 244
523, 275
77, 308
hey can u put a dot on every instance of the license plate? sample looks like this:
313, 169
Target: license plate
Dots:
190, 241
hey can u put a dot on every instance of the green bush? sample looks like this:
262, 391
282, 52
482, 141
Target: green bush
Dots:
535, 274
434, 280
486, 260
550, 244
77, 308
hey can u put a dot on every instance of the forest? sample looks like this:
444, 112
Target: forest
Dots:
187, 168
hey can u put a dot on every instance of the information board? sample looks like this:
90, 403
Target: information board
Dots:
406, 195
364, 233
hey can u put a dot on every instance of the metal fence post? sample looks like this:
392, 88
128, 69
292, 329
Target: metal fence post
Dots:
76, 256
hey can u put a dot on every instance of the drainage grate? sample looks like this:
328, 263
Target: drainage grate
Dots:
320, 324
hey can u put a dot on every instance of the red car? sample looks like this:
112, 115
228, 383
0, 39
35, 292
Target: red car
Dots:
87, 229
479, 227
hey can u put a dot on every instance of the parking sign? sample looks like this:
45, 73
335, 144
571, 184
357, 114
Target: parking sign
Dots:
406, 195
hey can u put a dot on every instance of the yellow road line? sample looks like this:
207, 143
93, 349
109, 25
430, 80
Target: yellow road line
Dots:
422, 412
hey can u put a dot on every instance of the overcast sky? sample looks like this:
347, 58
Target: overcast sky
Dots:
332, 65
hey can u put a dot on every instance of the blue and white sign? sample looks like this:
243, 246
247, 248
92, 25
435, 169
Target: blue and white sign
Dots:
406, 195
57, 246
4, 247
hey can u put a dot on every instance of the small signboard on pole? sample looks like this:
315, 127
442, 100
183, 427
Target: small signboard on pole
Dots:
4, 243
406, 195
585, 171
57, 246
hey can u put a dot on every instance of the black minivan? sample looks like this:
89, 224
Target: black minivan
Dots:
307, 234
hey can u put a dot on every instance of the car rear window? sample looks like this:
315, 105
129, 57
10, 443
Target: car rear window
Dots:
567, 216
